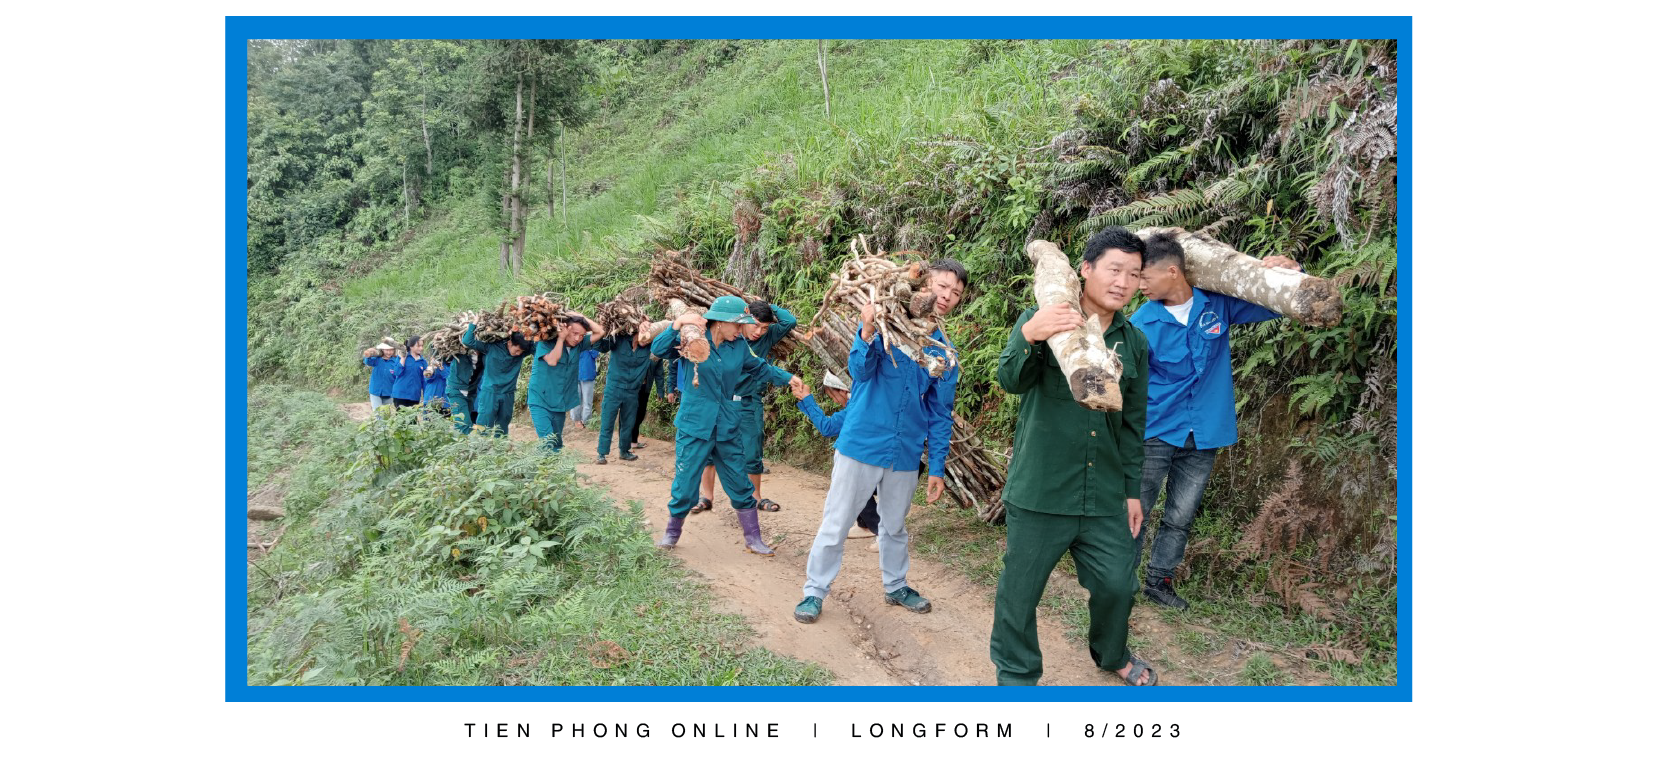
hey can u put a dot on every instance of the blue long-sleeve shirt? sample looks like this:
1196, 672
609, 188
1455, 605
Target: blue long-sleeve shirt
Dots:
1190, 389
897, 408
711, 411
382, 371
408, 378
827, 424
785, 322
434, 387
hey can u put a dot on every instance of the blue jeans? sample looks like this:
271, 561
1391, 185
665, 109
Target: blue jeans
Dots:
1186, 468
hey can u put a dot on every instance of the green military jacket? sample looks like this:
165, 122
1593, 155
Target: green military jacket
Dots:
1069, 459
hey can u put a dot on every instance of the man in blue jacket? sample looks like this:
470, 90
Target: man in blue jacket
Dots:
897, 408
709, 417
1190, 413
434, 386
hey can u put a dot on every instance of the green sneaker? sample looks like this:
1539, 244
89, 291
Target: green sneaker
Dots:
808, 610
907, 598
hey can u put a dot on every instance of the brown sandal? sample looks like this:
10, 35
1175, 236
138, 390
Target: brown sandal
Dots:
768, 505
704, 505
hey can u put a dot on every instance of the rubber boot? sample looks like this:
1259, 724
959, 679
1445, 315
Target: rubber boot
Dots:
674, 530
749, 533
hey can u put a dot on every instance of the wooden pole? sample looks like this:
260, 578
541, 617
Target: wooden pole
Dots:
1214, 265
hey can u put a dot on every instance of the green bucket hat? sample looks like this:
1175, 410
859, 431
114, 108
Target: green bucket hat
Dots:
730, 309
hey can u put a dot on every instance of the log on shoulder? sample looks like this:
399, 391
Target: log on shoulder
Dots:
694, 345
1092, 369
1216, 266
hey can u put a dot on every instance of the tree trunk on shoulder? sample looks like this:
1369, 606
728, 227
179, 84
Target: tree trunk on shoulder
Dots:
1215, 266
1091, 368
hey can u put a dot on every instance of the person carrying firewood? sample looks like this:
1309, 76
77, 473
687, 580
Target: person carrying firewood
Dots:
629, 368
1191, 388
897, 409
408, 375
462, 379
1074, 481
434, 387
773, 324
709, 417
553, 388
839, 391
500, 369
383, 367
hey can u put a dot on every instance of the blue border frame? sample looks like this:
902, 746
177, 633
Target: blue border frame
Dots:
241, 29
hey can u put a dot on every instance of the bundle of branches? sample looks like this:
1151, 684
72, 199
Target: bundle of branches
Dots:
904, 314
671, 278
539, 317
446, 343
494, 326
1091, 368
621, 315
973, 474
1216, 266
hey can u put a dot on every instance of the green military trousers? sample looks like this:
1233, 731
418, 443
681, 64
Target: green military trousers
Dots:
494, 410
693, 454
1106, 558
621, 405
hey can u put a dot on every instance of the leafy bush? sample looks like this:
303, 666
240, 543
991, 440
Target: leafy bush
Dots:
437, 558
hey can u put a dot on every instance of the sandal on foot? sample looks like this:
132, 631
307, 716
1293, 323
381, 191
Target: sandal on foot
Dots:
768, 505
1136, 667
704, 505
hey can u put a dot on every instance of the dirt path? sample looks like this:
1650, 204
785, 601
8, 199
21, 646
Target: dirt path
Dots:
859, 638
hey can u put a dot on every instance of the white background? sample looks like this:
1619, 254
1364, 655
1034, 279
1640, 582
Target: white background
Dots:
1535, 458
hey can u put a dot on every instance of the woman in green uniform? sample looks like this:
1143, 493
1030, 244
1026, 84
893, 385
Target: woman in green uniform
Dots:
709, 418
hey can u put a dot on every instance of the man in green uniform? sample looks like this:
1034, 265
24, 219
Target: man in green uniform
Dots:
500, 369
629, 367
459, 389
1074, 482
553, 388
709, 418
773, 324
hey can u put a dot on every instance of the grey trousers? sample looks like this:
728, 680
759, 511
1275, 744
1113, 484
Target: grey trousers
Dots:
850, 486
587, 402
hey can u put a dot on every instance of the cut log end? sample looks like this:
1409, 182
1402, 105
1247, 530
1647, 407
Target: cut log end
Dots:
1318, 303
1096, 388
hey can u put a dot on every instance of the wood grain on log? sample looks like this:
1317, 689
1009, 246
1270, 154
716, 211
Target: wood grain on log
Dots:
1215, 266
1092, 369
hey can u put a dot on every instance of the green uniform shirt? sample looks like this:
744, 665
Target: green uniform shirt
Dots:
556, 387
628, 363
499, 370
1069, 459
753, 387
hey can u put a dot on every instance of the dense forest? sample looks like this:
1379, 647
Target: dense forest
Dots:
393, 183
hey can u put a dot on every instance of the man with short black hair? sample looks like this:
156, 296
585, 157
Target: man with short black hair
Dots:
1074, 481
897, 408
1191, 390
